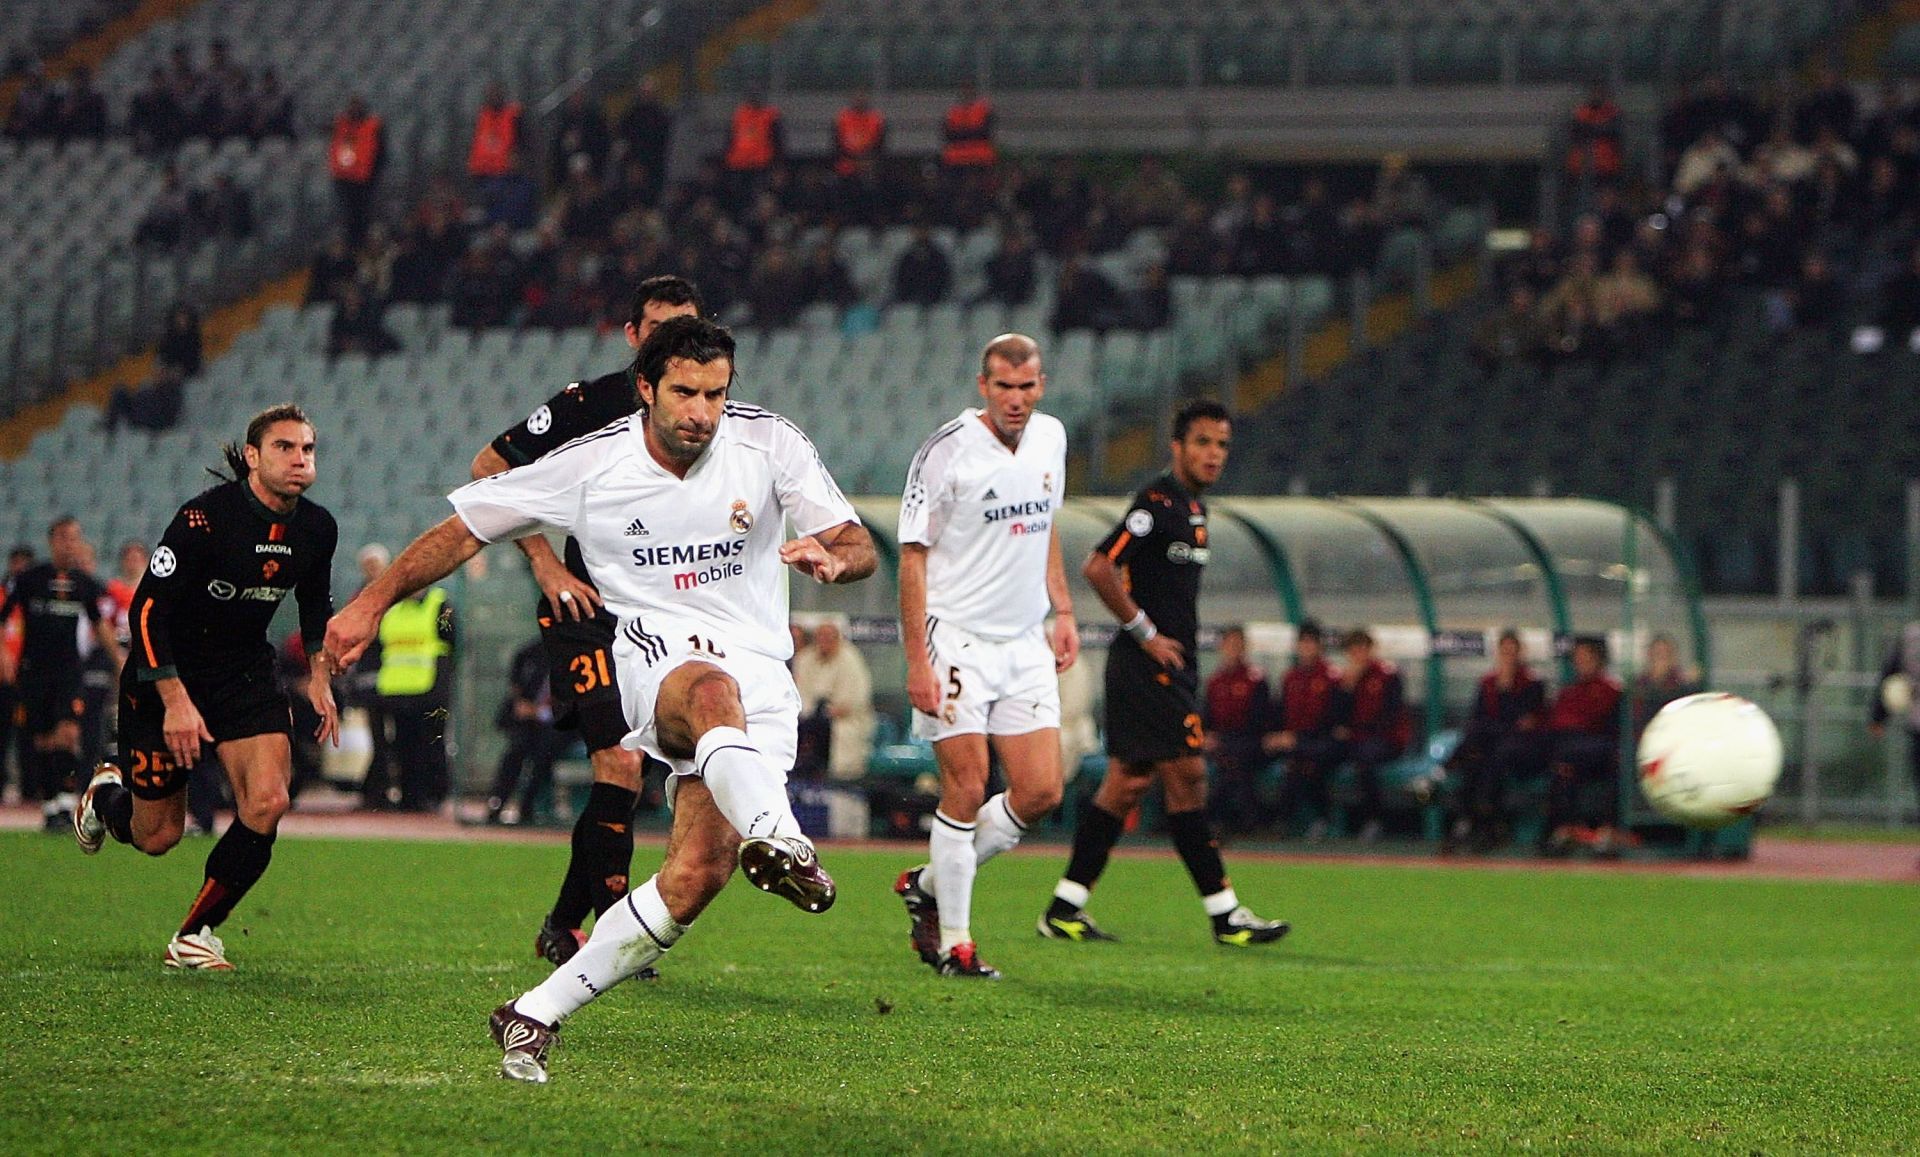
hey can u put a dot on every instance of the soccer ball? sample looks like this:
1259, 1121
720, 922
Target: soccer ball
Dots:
1706, 760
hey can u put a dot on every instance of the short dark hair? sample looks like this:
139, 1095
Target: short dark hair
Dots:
1597, 642
20, 551
256, 434
1358, 637
694, 339
1197, 410
1507, 633
64, 520
1309, 629
666, 289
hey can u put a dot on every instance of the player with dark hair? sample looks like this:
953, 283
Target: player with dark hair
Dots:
578, 632
702, 642
1147, 573
54, 597
202, 672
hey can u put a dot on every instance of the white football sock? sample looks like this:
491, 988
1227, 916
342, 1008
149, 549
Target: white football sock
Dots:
1220, 903
952, 861
995, 829
745, 786
631, 935
1072, 893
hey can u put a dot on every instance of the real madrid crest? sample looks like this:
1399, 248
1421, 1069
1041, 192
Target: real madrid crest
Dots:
740, 520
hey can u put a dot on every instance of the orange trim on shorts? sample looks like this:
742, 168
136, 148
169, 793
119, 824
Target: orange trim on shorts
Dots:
1119, 544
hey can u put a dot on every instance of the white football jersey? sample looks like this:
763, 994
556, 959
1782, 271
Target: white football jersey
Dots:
985, 514
682, 554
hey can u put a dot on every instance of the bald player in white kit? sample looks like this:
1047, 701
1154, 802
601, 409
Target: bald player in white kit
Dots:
980, 568
679, 513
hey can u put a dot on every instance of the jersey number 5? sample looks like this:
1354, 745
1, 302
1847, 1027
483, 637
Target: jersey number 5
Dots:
953, 683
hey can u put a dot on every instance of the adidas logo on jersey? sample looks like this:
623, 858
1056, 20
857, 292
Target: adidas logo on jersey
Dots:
637, 529
990, 495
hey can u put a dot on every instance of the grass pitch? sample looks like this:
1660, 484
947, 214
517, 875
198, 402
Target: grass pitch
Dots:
1413, 1009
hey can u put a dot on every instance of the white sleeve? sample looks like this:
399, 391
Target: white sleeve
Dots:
518, 502
929, 496
809, 497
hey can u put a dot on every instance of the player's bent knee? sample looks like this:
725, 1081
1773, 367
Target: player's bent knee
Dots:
263, 811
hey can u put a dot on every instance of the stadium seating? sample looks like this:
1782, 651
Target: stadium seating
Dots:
1712, 409
36, 29
1026, 44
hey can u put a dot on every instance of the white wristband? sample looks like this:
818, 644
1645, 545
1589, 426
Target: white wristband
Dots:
1140, 627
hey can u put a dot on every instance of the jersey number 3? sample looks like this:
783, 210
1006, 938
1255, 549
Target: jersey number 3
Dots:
590, 671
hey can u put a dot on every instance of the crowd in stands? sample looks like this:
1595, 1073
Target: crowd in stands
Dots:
756, 228
1808, 204
183, 99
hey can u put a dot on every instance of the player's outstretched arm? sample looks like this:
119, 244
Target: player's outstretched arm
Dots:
1107, 582
840, 554
566, 594
427, 560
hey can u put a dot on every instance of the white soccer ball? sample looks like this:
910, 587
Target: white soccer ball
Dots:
1707, 760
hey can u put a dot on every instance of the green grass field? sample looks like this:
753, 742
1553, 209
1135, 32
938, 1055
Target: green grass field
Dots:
1413, 1009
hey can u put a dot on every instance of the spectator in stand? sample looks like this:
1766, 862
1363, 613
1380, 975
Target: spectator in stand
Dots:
756, 144
586, 213
776, 292
486, 285
428, 253
1401, 199
833, 679
177, 360
1085, 299
646, 130
36, 109
154, 119
966, 133
271, 113
1506, 728
511, 198
1511, 334
922, 275
827, 279
1238, 705
1706, 158
533, 746
355, 158
1235, 208
332, 269
1153, 194
1013, 272
1899, 319
83, 110
1303, 740
356, 327
169, 220
1696, 284
1192, 249
1903, 660
580, 131
1625, 299
1374, 727
1261, 245
1594, 152
1584, 723
1568, 311
1314, 240
1815, 301
1152, 301
496, 139
859, 133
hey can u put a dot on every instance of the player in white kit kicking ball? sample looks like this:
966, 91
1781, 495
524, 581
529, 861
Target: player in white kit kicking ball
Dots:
980, 566
678, 512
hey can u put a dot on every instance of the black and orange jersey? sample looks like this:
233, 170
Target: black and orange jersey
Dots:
214, 582
581, 408
52, 602
1161, 545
